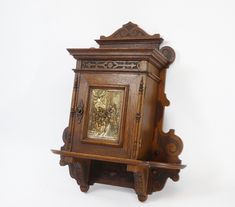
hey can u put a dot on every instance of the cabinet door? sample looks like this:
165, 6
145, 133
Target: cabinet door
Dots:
107, 106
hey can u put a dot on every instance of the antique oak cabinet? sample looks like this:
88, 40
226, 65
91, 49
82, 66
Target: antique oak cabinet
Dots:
115, 132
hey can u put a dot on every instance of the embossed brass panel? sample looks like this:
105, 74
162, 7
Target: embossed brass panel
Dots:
105, 112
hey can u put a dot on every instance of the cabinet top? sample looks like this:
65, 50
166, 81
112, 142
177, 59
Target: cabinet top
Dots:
129, 42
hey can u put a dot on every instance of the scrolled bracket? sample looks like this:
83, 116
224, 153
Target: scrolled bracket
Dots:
67, 140
158, 178
164, 100
169, 147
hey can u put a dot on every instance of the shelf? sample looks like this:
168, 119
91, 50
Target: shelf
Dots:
152, 164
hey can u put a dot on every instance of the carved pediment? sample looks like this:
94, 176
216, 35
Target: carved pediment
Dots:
130, 31
130, 36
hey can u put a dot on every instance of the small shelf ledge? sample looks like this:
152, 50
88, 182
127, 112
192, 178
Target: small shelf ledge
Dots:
150, 164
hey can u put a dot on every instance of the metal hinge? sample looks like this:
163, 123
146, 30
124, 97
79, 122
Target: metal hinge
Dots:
138, 116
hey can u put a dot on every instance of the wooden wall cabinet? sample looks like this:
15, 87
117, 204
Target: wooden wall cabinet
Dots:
115, 132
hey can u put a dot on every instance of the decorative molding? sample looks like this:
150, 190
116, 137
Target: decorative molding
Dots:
97, 64
130, 31
76, 82
137, 137
122, 52
154, 77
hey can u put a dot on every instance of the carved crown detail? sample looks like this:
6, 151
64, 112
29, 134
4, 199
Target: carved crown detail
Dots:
130, 31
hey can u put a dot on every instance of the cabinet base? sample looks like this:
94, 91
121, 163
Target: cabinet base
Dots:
143, 180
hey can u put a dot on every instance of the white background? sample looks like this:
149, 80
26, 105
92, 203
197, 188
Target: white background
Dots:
36, 84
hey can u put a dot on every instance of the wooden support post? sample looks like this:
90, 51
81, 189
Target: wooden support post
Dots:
80, 171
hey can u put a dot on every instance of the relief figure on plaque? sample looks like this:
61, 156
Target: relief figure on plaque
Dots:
105, 110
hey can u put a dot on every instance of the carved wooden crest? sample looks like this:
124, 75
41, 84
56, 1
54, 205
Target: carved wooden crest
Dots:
132, 36
130, 31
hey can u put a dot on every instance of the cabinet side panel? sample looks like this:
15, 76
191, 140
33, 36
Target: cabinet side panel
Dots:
148, 119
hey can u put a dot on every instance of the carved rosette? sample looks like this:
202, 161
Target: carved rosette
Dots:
169, 53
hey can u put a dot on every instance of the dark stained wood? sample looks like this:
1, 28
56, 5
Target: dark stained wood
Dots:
143, 157
126, 37
152, 164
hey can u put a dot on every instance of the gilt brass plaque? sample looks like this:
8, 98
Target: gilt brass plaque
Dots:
105, 112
